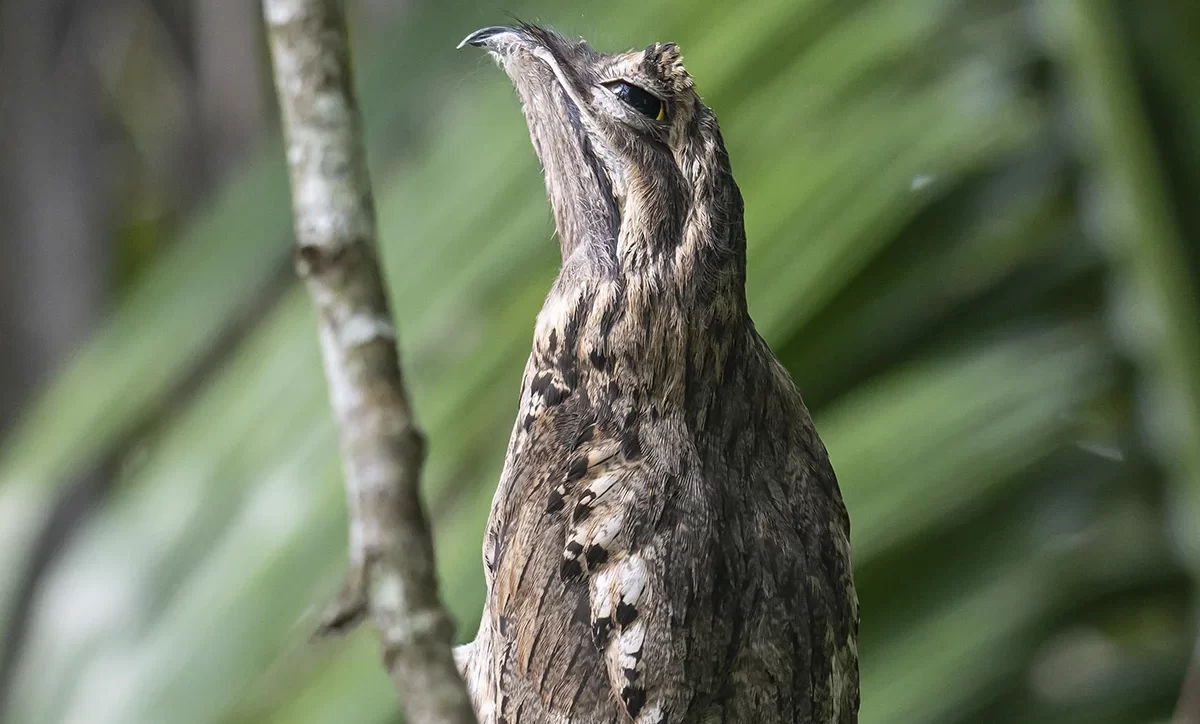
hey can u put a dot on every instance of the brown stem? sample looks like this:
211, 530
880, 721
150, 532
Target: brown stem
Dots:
392, 578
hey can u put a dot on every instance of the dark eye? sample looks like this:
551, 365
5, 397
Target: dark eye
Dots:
640, 100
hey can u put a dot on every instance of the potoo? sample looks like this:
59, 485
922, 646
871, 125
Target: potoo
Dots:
668, 543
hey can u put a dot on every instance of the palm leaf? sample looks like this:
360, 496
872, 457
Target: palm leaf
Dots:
918, 256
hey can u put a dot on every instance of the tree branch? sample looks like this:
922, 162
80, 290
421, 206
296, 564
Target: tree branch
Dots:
392, 578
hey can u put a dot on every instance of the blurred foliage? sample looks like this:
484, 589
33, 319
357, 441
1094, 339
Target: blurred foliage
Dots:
970, 239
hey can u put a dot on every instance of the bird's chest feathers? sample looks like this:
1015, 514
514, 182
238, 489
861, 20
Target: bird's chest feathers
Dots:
607, 337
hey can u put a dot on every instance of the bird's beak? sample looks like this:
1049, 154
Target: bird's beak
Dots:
585, 207
492, 36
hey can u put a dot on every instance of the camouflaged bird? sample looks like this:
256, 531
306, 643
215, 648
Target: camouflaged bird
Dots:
667, 543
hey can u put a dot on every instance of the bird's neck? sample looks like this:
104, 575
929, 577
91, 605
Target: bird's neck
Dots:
645, 341
662, 313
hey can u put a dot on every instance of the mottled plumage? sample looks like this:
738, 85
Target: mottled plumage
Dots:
667, 542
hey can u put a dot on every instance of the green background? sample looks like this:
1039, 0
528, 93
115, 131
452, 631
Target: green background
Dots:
972, 238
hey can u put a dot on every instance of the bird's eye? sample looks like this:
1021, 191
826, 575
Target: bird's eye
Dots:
642, 101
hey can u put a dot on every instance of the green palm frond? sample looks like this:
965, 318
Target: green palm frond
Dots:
924, 216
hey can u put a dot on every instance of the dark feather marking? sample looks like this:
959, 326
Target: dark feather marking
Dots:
543, 385
571, 570
554, 396
601, 630
634, 698
596, 555
571, 331
626, 613
612, 313
579, 468
613, 391
631, 444
541, 382
582, 510
554, 502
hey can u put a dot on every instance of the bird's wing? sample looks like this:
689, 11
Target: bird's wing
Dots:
832, 600
621, 588
588, 564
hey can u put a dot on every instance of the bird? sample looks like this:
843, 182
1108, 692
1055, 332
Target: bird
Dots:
667, 543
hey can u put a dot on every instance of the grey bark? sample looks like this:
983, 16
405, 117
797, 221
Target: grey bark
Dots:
392, 578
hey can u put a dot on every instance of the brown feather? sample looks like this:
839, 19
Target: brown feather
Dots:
667, 542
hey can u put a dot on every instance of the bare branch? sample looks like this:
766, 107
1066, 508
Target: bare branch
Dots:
392, 578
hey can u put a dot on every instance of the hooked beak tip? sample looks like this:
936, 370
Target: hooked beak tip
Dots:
480, 37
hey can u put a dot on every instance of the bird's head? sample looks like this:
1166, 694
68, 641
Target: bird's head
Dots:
635, 168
